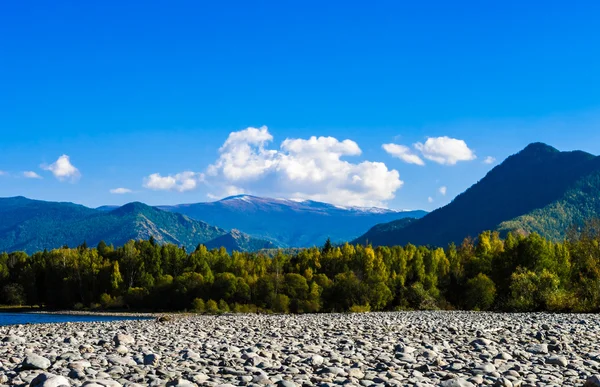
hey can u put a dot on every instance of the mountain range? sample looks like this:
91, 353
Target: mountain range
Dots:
243, 223
33, 225
289, 223
539, 189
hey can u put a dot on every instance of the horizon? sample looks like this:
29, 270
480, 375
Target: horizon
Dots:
295, 200
399, 106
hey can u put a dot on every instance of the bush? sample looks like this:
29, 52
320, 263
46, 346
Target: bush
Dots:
281, 303
79, 306
106, 300
360, 308
523, 290
223, 306
135, 297
480, 292
561, 301
211, 307
13, 294
198, 305
419, 298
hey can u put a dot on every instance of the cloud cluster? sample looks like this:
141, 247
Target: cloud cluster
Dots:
442, 150
62, 169
181, 182
443, 190
120, 191
312, 168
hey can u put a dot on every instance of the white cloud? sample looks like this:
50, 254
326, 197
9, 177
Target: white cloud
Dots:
443, 189
403, 153
31, 175
243, 156
181, 182
310, 168
445, 150
430, 199
62, 169
120, 191
489, 160
3, 173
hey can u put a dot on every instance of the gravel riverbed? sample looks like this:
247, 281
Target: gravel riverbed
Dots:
384, 349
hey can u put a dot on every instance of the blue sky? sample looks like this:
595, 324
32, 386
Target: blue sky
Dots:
142, 89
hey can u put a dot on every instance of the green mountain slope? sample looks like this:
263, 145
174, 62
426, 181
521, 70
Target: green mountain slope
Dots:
238, 241
385, 228
538, 189
32, 225
578, 204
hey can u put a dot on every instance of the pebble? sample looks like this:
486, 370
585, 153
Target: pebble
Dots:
433, 348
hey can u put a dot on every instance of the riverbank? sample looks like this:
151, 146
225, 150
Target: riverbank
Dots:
402, 348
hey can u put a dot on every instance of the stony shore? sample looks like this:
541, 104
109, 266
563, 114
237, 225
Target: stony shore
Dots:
393, 349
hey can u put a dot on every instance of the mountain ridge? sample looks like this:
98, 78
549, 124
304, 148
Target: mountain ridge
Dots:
46, 225
283, 221
525, 182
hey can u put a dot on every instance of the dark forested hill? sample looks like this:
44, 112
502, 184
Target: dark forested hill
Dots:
289, 223
32, 225
538, 189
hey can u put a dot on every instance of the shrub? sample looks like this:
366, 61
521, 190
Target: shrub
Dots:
79, 306
198, 305
13, 294
480, 292
561, 301
135, 297
223, 306
281, 303
523, 290
419, 298
211, 306
360, 308
106, 300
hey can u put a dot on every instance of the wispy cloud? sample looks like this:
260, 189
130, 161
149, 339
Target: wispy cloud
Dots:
442, 150
403, 153
31, 175
120, 191
489, 160
443, 190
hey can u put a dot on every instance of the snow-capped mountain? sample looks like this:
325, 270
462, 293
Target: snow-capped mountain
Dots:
290, 223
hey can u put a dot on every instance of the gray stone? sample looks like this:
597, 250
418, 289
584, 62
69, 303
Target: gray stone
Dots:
35, 362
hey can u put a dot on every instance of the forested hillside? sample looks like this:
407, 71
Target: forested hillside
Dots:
517, 273
539, 189
32, 225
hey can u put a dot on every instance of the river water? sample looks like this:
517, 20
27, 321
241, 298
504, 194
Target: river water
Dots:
39, 318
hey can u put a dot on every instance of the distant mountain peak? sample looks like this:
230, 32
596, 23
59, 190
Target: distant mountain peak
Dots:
539, 147
239, 197
132, 207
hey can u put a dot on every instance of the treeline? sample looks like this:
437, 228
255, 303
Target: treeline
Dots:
520, 273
